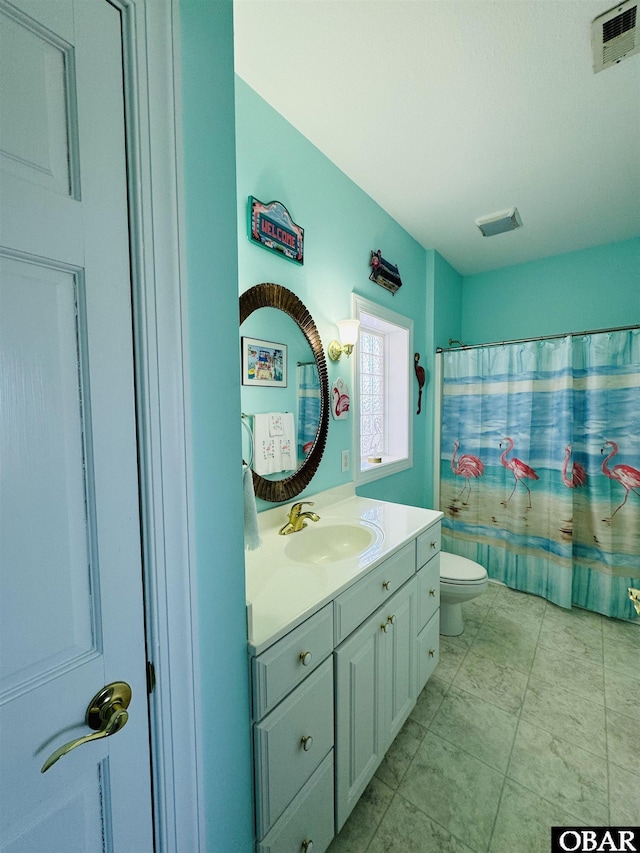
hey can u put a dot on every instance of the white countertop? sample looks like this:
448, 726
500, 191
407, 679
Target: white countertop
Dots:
282, 593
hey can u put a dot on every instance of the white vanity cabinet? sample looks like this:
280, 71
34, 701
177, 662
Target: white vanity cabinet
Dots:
329, 696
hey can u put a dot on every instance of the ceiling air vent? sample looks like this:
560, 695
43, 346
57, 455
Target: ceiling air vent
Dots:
615, 35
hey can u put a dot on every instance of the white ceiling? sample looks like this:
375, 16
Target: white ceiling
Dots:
447, 110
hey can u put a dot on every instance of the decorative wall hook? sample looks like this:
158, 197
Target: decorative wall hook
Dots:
421, 376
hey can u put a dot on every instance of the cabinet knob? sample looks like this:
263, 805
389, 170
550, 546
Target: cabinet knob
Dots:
305, 657
307, 846
391, 618
433, 544
432, 652
307, 742
385, 584
432, 593
384, 627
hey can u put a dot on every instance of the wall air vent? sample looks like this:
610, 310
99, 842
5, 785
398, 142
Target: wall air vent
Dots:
615, 35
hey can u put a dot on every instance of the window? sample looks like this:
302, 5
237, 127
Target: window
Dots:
382, 421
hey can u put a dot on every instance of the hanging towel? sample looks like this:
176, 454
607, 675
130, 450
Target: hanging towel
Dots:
288, 455
264, 446
251, 530
276, 423
273, 453
308, 407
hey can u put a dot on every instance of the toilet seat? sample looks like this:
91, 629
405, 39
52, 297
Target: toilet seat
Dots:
459, 570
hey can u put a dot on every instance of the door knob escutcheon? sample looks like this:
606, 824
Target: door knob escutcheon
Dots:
106, 715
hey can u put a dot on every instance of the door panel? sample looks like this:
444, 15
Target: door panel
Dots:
81, 807
71, 610
47, 554
38, 143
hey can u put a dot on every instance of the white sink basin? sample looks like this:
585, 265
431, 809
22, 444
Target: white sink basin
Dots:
329, 543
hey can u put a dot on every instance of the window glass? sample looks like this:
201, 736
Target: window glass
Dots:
382, 422
371, 393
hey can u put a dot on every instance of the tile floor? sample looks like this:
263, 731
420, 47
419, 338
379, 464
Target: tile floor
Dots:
531, 719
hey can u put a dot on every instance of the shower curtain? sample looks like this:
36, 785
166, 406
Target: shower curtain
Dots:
308, 407
540, 465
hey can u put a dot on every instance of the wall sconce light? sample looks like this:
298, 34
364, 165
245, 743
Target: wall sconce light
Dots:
348, 330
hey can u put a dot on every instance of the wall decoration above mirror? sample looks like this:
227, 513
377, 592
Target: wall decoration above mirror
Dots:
275, 296
384, 272
271, 226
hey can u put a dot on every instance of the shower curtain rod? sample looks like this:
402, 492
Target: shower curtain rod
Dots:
540, 338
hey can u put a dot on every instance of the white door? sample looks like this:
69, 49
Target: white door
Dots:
71, 608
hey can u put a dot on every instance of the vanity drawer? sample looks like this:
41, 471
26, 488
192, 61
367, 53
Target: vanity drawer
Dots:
288, 662
428, 650
308, 818
358, 602
428, 544
428, 591
290, 743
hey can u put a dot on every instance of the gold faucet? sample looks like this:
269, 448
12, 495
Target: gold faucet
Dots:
297, 518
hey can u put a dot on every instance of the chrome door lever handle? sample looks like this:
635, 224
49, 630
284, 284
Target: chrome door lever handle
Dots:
106, 714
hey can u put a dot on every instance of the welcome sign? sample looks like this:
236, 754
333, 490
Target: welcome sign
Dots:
272, 227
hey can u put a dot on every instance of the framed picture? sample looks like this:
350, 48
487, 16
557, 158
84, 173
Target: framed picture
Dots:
264, 363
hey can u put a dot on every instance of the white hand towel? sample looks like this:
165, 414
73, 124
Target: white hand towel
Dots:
273, 454
276, 423
264, 446
251, 529
288, 456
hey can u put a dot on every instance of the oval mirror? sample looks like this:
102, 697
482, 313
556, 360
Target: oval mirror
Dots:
269, 295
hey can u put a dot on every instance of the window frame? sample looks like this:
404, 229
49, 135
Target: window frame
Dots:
398, 423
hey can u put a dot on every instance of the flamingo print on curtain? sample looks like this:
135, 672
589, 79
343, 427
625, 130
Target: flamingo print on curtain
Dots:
467, 466
550, 436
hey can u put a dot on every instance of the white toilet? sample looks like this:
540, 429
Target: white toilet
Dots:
460, 580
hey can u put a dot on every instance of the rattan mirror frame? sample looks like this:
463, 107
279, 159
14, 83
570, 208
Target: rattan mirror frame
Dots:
270, 295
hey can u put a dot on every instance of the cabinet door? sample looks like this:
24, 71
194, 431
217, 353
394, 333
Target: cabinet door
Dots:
399, 684
375, 692
360, 742
428, 650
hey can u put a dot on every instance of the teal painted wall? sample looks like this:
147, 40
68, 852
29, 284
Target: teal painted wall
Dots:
447, 311
212, 297
342, 225
444, 311
592, 289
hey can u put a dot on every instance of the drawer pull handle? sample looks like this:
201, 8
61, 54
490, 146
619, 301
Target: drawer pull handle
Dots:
305, 657
385, 584
433, 544
432, 593
384, 627
307, 846
307, 742
392, 618
432, 652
